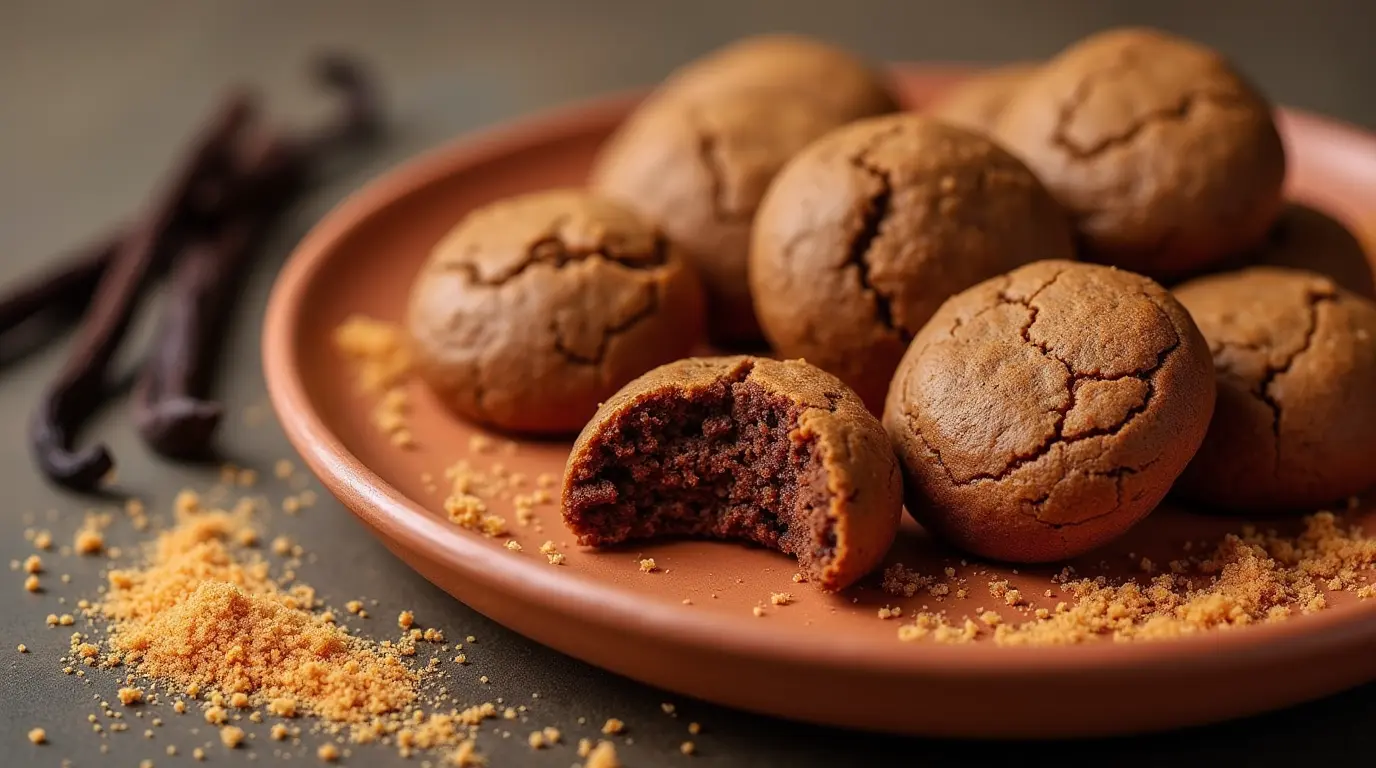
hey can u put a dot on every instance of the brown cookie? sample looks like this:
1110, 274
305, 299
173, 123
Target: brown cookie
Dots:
1295, 426
1168, 159
780, 454
534, 309
840, 81
1042, 413
1306, 238
697, 157
976, 102
866, 232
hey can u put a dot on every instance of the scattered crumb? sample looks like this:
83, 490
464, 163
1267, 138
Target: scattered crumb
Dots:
780, 598
552, 735
695, 728
283, 469
231, 736
328, 753
667, 708
38, 736
603, 756
32, 584
648, 565
406, 619
613, 726
556, 559
584, 747
89, 541
43, 540
23, 648
687, 748
278, 732
758, 611
890, 612
130, 696
33, 564
198, 753
513, 545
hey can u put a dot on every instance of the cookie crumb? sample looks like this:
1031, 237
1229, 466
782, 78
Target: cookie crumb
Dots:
695, 728
667, 708
406, 619
22, 648
687, 748
513, 545
38, 736
32, 584
33, 564
648, 565
328, 753
43, 540
758, 611
613, 726
890, 612
278, 732
781, 598
584, 747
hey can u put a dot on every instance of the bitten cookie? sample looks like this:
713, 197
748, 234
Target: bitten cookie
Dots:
1295, 426
976, 102
781, 454
534, 309
697, 157
1168, 159
1042, 413
867, 231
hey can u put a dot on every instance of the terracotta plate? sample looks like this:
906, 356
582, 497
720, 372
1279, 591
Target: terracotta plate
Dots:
690, 628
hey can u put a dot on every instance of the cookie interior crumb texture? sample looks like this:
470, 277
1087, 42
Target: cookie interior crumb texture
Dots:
776, 453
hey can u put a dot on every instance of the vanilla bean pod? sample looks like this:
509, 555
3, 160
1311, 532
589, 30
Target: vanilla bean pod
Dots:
72, 398
171, 412
69, 284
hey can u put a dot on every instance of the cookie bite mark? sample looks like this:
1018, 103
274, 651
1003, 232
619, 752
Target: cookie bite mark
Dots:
778, 454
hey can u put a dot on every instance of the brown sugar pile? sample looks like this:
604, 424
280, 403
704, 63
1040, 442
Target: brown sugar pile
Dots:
203, 615
382, 363
1249, 578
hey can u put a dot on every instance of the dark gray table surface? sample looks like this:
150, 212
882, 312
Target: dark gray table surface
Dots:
94, 98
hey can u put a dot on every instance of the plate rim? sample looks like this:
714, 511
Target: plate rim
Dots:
386, 509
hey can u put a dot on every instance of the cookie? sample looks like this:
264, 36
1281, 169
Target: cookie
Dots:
1295, 426
1042, 413
843, 83
867, 231
779, 454
976, 102
1308, 239
697, 157
1167, 158
534, 309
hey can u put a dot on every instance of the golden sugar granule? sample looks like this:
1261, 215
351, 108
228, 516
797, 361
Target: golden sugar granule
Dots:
648, 565
89, 541
603, 756
232, 736
130, 696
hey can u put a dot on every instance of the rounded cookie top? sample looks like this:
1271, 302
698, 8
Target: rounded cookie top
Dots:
1044, 412
1169, 160
976, 102
698, 168
867, 231
862, 487
535, 308
843, 83
1309, 239
1295, 426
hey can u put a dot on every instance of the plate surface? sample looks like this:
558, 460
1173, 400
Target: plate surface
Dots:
690, 627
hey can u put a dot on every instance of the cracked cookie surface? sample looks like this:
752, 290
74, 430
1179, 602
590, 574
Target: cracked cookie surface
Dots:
534, 309
1295, 425
1167, 158
867, 231
697, 156
1042, 413
777, 453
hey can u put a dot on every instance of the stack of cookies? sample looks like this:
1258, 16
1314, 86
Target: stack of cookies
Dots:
980, 307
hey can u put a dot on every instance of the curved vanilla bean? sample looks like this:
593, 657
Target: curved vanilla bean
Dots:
71, 399
172, 414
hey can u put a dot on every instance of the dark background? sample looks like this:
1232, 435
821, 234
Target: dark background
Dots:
96, 96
